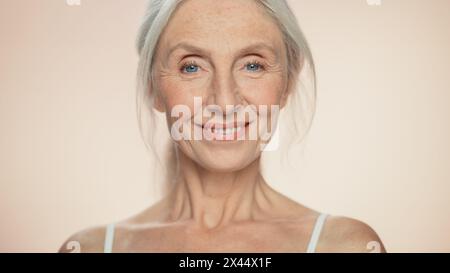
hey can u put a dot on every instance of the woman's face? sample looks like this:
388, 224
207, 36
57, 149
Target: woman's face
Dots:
231, 56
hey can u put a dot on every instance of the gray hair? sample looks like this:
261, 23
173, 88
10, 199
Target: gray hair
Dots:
301, 101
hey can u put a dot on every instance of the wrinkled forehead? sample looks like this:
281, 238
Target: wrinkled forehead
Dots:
233, 23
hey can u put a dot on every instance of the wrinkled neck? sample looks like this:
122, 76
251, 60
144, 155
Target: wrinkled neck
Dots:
214, 199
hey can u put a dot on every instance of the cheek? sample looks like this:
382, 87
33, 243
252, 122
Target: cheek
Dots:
175, 92
263, 91
178, 98
268, 92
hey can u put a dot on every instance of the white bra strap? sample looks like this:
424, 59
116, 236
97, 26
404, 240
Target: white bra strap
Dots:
109, 238
316, 233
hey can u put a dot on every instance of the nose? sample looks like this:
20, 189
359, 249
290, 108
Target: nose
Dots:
224, 91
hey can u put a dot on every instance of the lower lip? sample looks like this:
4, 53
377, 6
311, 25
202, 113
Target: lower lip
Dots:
219, 136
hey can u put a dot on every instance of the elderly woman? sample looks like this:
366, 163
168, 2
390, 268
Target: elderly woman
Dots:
233, 56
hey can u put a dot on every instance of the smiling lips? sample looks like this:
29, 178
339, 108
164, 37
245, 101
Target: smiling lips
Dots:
220, 131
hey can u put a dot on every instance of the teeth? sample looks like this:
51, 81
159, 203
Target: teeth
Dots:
227, 131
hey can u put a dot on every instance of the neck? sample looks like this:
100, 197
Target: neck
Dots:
214, 199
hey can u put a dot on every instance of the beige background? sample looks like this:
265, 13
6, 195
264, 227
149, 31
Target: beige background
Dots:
71, 155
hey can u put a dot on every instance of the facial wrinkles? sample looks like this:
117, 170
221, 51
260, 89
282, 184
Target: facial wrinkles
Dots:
220, 65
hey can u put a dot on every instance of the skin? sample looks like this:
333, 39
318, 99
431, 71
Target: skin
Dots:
223, 205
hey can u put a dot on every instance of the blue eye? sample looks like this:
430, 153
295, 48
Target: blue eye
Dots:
254, 66
190, 68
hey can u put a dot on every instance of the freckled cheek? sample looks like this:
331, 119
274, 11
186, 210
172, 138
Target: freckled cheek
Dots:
263, 92
180, 99
178, 93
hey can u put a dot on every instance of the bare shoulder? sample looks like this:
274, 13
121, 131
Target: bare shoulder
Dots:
89, 240
92, 240
344, 234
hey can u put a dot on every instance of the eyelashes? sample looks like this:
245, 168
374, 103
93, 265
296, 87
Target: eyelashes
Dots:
252, 65
191, 67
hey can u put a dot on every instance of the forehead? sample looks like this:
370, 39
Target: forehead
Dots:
224, 22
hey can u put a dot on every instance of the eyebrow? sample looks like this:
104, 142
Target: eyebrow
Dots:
242, 52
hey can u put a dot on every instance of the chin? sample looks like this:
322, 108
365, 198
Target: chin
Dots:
227, 159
